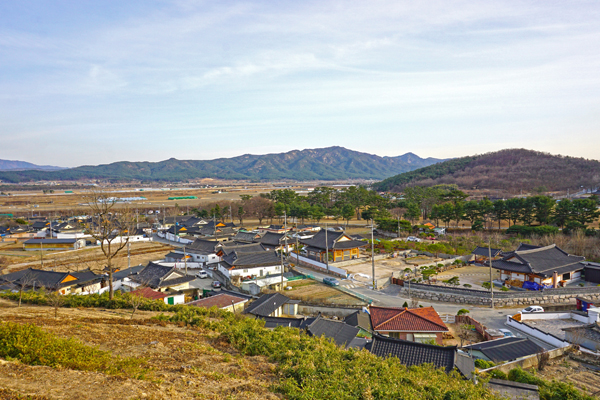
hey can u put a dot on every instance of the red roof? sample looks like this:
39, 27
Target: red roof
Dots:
424, 319
149, 294
219, 300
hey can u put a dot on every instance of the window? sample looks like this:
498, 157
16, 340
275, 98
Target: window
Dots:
425, 337
566, 276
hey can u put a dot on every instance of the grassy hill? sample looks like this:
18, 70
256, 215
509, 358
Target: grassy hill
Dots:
510, 169
332, 163
12, 165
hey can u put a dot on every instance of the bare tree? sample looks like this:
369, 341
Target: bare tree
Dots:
56, 300
109, 225
24, 282
542, 358
463, 332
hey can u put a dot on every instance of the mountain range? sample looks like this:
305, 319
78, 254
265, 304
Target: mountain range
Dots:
13, 165
331, 163
513, 170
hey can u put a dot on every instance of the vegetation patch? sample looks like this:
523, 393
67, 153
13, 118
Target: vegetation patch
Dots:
34, 346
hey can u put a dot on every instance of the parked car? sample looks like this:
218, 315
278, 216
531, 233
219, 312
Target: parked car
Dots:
331, 281
532, 309
202, 275
413, 239
216, 284
507, 333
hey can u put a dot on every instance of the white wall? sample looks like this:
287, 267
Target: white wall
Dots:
536, 333
256, 271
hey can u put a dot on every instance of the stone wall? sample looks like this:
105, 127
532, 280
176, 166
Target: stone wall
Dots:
483, 298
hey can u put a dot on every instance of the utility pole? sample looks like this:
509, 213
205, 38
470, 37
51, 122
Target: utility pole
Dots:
285, 248
128, 251
185, 259
326, 249
398, 217
491, 281
42, 255
215, 228
373, 255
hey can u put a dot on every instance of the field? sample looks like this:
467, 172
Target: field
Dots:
313, 292
85, 258
185, 363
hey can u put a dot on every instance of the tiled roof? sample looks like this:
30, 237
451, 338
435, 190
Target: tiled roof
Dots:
149, 294
248, 260
485, 252
126, 272
543, 261
414, 353
50, 241
267, 304
220, 301
270, 239
506, 349
424, 319
227, 248
274, 322
359, 319
37, 278
154, 276
341, 333
333, 241
202, 246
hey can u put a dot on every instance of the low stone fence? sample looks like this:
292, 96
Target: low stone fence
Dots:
501, 299
340, 312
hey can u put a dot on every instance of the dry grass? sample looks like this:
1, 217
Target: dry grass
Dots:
311, 292
186, 363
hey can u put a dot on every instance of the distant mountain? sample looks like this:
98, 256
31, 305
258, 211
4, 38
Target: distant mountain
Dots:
332, 163
10, 165
511, 170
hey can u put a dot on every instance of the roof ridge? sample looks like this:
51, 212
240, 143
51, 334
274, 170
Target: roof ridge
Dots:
394, 316
551, 246
428, 320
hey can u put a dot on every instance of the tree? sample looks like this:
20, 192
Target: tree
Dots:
563, 212
544, 206
585, 211
472, 211
317, 213
56, 300
412, 212
347, 213
513, 209
109, 226
25, 281
464, 332
459, 212
499, 211
528, 211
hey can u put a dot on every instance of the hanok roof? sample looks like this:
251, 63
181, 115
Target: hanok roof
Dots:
543, 261
176, 256
50, 241
86, 276
388, 319
335, 241
359, 319
149, 294
341, 333
36, 278
485, 252
271, 239
506, 349
414, 353
202, 246
229, 247
219, 301
127, 272
246, 237
267, 304
236, 259
157, 276
274, 322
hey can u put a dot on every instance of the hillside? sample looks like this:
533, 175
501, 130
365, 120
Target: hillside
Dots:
332, 163
13, 165
511, 170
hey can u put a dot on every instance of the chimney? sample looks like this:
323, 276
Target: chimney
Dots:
555, 280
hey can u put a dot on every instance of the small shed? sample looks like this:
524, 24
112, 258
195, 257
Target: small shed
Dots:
591, 271
584, 303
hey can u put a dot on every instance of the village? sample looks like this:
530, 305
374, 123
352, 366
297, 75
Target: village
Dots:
485, 312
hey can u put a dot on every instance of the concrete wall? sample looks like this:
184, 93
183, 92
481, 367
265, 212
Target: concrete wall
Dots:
527, 362
319, 266
546, 337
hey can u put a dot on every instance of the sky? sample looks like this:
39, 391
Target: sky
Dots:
91, 82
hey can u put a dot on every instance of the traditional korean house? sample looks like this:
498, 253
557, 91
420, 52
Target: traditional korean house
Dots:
547, 266
339, 245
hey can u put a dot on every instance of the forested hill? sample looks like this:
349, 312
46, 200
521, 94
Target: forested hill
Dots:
511, 170
332, 163
13, 165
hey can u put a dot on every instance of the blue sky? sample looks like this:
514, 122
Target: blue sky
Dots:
90, 82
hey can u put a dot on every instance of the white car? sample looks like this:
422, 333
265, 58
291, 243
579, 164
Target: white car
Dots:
413, 239
532, 309
202, 275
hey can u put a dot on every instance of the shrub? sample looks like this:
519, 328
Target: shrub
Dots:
504, 289
34, 346
462, 311
484, 364
467, 285
496, 374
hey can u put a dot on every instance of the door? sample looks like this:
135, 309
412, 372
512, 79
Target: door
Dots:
171, 300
